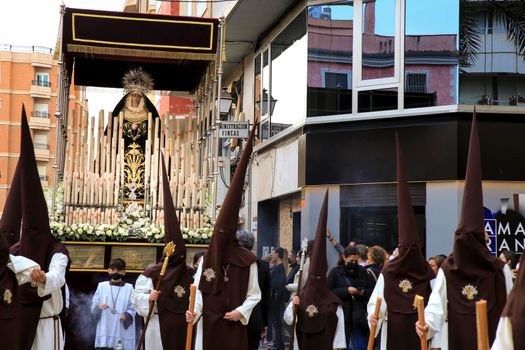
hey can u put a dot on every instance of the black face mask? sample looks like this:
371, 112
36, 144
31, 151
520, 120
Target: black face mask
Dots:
115, 276
350, 268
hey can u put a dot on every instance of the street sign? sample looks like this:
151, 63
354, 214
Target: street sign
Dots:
234, 130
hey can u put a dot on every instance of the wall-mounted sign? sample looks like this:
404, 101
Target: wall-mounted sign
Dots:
506, 232
234, 130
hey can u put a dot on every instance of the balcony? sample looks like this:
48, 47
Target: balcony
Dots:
40, 120
41, 151
40, 89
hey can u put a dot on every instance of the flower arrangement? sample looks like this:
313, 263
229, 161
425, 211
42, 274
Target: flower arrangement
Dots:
133, 223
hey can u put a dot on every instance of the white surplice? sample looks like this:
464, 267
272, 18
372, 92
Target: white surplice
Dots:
140, 300
504, 339
253, 296
436, 309
340, 335
49, 335
110, 328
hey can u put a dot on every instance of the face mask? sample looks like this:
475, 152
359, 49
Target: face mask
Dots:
351, 267
115, 276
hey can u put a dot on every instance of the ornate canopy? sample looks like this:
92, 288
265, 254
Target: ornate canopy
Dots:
104, 45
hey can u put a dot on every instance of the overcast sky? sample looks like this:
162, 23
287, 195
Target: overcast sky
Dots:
36, 22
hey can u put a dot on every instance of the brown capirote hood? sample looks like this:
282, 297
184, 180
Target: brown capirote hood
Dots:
472, 272
317, 301
223, 247
408, 274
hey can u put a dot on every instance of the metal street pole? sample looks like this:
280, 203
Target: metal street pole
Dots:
216, 117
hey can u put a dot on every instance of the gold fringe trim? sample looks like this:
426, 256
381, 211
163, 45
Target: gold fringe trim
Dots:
117, 51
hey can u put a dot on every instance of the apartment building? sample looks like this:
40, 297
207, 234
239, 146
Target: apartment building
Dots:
28, 76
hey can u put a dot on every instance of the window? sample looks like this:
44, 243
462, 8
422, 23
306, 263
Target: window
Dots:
330, 40
41, 110
281, 78
379, 41
42, 171
431, 60
42, 79
40, 141
336, 80
416, 82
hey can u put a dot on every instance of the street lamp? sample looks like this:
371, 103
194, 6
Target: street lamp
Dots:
225, 104
264, 109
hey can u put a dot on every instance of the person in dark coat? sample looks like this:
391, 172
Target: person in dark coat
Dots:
260, 314
349, 281
278, 297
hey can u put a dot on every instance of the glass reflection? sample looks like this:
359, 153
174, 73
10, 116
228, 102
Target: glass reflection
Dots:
287, 97
330, 40
280, 78
379, 41
431, 56
494, 74
377, 100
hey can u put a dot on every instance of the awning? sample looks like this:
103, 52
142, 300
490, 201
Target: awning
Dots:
104, 45
247, 23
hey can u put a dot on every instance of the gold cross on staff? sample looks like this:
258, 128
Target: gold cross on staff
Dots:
169, 249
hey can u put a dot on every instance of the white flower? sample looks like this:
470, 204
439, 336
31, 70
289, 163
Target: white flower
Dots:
185, 236
204, 236
80, 231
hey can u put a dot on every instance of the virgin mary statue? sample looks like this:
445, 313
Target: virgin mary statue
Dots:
135, 106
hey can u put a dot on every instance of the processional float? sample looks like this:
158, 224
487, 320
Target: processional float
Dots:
103, 169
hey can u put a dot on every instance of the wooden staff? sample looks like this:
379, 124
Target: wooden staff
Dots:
373, 328
419, 303
482, 325
189, 331
169, 249
304, 245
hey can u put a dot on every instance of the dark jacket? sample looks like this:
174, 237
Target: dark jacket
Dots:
373, 272
278, 278
338, 282
259, 317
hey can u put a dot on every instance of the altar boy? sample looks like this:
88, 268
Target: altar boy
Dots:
113, 310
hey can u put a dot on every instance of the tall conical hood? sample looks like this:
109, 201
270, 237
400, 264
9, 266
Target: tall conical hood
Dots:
36, 233
472, 206
471, 264
316, 296
12, 214
223, 249
409, 273
172, 233
318, 262
406, 224
171, 222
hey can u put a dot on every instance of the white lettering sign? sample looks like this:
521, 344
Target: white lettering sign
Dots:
234, 130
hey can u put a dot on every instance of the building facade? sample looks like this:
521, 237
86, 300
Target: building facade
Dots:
330, 84
28, 76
